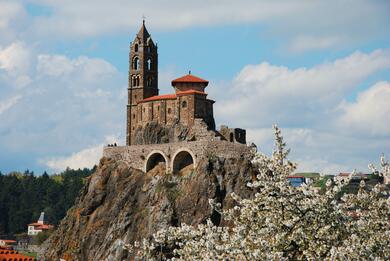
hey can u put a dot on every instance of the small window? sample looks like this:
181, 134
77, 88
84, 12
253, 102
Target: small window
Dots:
136, 63
136, 48
135, 96
133, 116
169, 110
184, 104
158, 108
149, 82
149, 64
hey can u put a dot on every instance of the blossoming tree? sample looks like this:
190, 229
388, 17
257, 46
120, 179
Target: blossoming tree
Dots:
282, 222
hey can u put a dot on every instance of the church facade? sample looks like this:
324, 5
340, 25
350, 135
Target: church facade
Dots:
177, 128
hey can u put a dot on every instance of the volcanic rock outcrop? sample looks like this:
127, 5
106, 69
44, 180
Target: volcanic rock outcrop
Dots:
122, 204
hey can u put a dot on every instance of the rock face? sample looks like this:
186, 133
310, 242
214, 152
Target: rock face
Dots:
156, 133
119, 203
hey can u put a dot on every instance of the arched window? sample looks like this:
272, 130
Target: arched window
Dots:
136, 48
136, 63
137, 81
149, 82
149, 64
184, 104
134, 80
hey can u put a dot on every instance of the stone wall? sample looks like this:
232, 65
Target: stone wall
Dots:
136, 156
233, 134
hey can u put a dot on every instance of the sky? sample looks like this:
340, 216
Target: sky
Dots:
320, 70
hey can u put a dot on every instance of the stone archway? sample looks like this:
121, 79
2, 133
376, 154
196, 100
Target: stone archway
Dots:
181, 159
154, 158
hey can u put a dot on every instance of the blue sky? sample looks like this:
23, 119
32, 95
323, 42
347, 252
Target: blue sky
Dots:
318, 69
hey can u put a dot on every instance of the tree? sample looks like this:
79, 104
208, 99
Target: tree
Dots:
24, 196
283, 222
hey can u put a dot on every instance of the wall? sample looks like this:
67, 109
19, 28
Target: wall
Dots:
136, 155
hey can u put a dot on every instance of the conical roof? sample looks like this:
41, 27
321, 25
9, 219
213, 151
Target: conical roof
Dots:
143, 33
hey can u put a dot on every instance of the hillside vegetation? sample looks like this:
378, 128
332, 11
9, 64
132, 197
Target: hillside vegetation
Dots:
24, 195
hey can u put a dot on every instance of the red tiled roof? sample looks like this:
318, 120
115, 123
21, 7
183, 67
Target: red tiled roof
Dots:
171, 96
8, 241
35, 224
45, 227
41, 226
160, 97
6, 254
189, 78
190, 92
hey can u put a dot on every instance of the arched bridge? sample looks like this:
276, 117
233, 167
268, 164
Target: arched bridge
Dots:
174, 156
179, 160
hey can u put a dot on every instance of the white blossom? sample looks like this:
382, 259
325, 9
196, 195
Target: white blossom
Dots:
283, 222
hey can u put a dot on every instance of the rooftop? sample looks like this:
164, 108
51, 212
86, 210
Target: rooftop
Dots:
189, 78
172, 96
6, 254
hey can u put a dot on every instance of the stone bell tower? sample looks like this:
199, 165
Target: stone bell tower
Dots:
143, 76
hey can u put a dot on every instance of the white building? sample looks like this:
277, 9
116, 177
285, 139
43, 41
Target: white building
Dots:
36, 228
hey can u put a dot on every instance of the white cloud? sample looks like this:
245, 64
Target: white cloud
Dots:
7, 104
322, 166
371, 111
69, 104
85, 158
326, 133
296, 96
304, 43
60, 65
9, 11
54, 65
15, 58
318, 24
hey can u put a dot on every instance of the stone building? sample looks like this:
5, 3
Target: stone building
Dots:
189, 102
175, 129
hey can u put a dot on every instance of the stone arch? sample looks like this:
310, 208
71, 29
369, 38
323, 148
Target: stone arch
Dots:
182, 158
155, 157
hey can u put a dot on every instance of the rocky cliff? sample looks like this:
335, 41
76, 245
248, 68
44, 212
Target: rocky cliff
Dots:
119, 203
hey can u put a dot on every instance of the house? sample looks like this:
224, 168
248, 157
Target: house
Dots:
36, 228
296, 180
357, 177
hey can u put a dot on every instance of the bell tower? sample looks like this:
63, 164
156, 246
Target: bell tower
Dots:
143, 76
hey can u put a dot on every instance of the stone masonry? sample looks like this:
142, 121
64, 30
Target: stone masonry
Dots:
138, 156
176, 130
